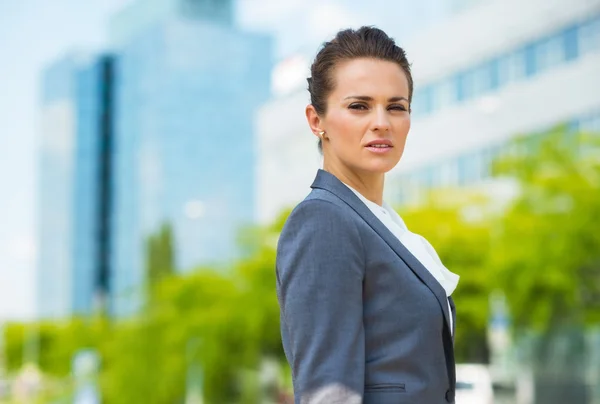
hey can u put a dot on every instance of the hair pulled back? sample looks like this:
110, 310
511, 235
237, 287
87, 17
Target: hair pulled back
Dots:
349, 44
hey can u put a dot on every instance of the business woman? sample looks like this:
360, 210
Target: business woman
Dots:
366, 312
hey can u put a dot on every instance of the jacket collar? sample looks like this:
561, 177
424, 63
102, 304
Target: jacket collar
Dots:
328, 182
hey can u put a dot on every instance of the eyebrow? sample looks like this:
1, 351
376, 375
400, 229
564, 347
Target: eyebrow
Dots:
367, 98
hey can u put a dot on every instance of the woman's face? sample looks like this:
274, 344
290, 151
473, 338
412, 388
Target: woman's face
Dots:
367, 118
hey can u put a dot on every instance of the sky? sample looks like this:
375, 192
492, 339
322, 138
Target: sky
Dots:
33, 33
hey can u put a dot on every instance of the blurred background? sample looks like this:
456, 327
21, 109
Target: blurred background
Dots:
150, 151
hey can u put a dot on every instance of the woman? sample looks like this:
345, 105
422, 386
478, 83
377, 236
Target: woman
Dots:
366, 313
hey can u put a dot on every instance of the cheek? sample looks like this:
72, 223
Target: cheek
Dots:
347, 128
347, 122
402, 129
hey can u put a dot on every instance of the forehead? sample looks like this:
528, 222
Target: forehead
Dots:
372, 77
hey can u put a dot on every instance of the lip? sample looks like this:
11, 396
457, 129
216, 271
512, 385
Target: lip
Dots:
380, 141
379, 150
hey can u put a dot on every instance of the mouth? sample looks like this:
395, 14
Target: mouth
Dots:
380, 143
379, 146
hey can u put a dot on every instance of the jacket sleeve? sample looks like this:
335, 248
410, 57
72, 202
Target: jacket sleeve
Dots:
320, 267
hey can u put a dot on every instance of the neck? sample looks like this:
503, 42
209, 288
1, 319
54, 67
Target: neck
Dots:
369, 185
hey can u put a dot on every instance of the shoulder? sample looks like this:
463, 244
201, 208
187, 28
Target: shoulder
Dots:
320, 232
321, 212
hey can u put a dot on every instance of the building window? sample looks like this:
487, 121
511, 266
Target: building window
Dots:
427, 102
589, 36
571, 49
487, 157
511, 67
459, 87
485, 78
529, 59
464, 85
504, 70
566, 45
422, 102
443, 94
494, 67
465, 170
448, 173
549, 53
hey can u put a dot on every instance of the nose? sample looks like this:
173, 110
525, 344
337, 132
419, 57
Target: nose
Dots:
381, 121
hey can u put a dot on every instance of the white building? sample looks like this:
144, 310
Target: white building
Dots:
287, 153
490, 71
495, 70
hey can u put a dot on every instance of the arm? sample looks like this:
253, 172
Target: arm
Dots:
320, 262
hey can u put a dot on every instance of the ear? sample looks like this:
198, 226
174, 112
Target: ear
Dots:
314, 120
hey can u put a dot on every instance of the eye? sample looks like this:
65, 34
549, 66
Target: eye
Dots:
398, 107
358, 106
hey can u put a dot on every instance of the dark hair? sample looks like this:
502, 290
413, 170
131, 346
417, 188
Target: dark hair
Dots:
348, 44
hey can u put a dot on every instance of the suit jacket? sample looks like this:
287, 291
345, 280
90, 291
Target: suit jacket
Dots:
362, 321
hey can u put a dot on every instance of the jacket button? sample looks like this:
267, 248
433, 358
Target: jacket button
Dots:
450, 396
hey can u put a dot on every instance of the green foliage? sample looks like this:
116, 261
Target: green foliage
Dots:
543, 251
51, 344
234, 317
160, 259
141, 364
14, 345
454, 224
548, 253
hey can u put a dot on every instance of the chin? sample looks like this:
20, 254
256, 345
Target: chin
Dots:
380, 168
383, 166
379, 164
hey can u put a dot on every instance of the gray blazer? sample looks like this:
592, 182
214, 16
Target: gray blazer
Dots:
362, 321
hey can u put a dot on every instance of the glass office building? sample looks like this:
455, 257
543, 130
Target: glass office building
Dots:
55, 203
73, 190
188, 84
93, 184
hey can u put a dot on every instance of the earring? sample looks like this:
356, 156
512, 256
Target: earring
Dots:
322, 134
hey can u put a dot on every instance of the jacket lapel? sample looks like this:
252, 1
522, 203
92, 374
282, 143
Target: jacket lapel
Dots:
329, 182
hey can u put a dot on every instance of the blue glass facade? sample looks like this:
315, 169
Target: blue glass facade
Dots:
54, 265
92, 182
522, 63
139, 14
186, 94
71, 192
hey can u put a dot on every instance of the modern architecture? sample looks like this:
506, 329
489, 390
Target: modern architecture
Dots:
188, 84
493, 71
489, 71
74, 191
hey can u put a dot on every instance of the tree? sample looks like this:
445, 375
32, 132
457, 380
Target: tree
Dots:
160, 257
234, 317
56, 342
548, 255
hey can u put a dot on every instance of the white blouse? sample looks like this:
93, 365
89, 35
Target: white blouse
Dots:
416, 244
